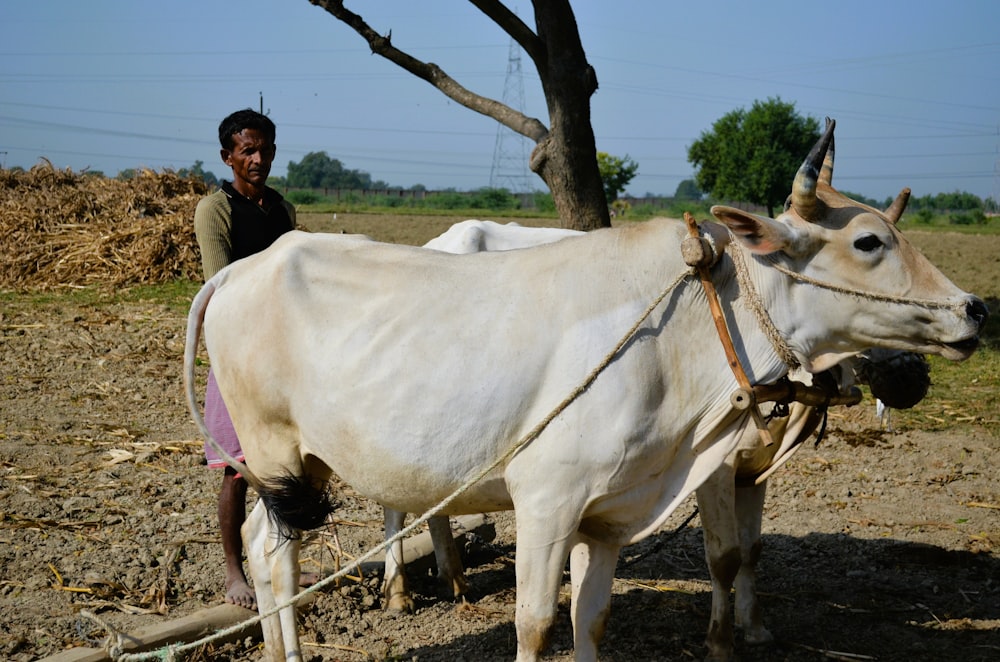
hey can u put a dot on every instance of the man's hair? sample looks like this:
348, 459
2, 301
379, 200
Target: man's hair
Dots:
247, 118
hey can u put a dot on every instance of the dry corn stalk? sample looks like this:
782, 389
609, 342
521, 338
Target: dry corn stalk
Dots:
64, 229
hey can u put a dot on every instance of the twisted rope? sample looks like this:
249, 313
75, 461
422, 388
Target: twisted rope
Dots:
169, 652
115, 644
756, 306
864, 294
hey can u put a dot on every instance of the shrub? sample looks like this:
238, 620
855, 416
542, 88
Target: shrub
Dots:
304, 197
972, 217
494, 199
544, 202
447, 200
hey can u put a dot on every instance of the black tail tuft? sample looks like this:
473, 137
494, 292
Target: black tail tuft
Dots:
297, 503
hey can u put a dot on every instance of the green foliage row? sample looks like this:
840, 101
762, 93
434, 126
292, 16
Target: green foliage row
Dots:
497, 201
319, 170
489, 199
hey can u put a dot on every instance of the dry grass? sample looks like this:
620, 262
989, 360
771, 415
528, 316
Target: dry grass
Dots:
63, 229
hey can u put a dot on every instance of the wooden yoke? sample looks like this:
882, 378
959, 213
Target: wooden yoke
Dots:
698, 253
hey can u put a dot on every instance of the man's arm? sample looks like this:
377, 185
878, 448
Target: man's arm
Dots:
213, 229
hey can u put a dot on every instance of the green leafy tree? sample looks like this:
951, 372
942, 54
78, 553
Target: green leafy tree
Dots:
616, 173
865, 200
688, 190
319, 170
752, 155
955, 201
198, 171
315, 170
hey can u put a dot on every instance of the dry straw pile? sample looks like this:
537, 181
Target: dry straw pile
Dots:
64, 229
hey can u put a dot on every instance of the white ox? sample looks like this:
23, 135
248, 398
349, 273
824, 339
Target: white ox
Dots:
405, 371
731, 500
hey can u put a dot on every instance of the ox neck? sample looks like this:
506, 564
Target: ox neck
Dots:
755, 304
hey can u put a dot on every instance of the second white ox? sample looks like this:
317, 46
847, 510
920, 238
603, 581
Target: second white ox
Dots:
405, 371
731, 500
475, 236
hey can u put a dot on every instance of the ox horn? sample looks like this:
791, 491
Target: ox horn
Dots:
826, 172
895, 210
804, 186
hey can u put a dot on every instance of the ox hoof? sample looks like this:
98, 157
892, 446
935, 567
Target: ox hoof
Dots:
758, 636
456, 588
719, 652
402, 604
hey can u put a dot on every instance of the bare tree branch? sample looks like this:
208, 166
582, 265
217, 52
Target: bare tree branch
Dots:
515, 27
433, 74
565, 154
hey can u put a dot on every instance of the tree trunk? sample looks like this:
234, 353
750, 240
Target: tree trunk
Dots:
565, 155
566, 159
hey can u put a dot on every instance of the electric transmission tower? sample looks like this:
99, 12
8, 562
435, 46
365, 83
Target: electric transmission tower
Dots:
510, 152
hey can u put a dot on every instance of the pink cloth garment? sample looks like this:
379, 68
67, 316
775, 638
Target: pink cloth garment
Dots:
218, 423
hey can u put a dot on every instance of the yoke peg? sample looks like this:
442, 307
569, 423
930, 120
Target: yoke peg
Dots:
742, 399
696, 252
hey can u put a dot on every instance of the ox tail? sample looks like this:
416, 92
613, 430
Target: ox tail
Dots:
196, 318
296, 503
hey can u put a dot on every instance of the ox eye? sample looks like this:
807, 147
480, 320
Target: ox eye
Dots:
868, 243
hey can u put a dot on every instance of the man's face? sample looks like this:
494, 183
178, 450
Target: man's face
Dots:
250, 158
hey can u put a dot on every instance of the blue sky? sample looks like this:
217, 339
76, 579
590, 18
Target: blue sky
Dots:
115, 84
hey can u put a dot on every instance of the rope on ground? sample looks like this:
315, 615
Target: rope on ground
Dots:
169, 652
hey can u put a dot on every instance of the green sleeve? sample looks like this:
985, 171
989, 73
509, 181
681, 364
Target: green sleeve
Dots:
213, 227
290, 208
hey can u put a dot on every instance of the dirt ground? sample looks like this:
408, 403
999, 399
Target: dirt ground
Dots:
878, 546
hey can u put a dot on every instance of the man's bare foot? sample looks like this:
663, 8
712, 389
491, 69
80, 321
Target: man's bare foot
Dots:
238, 592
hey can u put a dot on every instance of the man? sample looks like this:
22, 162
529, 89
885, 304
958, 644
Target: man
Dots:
244, 217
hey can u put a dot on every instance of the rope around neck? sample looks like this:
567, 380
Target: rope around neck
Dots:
169, 652
756, 306
864, 294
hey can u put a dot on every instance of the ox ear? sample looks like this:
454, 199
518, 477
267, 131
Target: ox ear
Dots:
759, 234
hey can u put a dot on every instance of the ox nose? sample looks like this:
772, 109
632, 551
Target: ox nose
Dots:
976, 309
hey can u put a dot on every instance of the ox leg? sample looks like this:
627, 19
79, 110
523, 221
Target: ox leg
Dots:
274, 566
716, 505
451, 573
539, 569
749, 512
592, 572
395, 592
